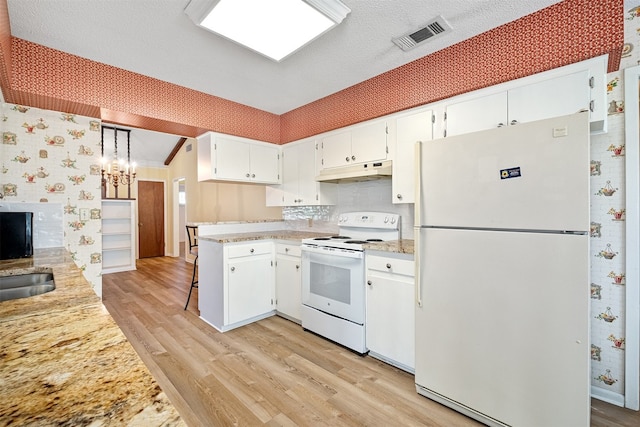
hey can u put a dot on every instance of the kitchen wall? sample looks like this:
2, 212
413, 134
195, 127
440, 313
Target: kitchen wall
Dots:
48, 157
608, 284
214, 201
206, 201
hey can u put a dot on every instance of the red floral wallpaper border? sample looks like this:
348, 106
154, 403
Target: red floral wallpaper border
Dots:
570, 31
567, 32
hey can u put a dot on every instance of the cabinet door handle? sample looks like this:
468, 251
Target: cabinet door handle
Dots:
514, 122
253, 175
353, 157
369, 282
500, 124
251, 250
347, 158
233, 269
286, 249
388, 265
399, 196
247, 175
297, 267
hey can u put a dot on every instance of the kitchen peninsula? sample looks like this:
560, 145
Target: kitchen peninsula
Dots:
66, 362
237, 278
247, 276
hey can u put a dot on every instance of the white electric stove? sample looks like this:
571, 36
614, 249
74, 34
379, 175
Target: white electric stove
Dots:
333, 276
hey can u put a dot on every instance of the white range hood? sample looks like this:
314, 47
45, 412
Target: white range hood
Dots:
355, 173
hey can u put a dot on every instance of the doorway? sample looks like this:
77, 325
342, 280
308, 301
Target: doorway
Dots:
179, 216
150, 219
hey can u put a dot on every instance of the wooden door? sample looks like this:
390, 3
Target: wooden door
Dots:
150, 219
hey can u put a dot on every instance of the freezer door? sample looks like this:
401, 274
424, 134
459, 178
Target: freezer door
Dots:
504, 324
531, 176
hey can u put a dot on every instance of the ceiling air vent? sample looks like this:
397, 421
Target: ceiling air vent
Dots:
434, 28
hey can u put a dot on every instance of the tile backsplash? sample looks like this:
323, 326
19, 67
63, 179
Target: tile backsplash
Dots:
48, 231
373, 196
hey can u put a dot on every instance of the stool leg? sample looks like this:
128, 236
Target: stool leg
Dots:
194, 282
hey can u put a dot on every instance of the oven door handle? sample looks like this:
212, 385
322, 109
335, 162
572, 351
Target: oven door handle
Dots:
333, 251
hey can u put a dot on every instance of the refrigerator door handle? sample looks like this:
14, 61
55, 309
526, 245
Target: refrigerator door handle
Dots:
417, 151
417, 221
417, 267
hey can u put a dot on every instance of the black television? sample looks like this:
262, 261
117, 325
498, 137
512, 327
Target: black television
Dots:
16, 235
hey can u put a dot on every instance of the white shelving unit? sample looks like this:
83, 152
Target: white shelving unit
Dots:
118, 235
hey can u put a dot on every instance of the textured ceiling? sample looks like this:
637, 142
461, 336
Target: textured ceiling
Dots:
155, 38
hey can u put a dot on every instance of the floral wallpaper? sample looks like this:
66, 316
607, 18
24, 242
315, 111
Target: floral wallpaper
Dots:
52, 157
608, 215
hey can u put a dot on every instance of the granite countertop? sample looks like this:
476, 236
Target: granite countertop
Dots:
64, 361
291, 235
403, 246
249, 221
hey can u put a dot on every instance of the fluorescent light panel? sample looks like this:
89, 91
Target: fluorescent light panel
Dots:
274, 28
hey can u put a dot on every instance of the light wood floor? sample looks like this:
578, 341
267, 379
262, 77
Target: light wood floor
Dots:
270, 372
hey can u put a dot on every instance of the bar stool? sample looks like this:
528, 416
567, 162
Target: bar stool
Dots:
192, 234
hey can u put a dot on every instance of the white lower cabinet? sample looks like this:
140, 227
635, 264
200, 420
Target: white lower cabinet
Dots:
250, 281
390, 327
288, 281
236, 283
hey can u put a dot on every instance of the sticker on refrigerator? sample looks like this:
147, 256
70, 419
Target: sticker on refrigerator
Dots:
510, 173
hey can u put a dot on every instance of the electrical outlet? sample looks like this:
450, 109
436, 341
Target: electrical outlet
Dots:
84, 214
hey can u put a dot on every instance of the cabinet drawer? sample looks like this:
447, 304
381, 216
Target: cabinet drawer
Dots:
391, 265
286, 249
249, 249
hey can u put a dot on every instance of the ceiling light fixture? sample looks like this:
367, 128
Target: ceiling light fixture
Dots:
118, 172
275, 28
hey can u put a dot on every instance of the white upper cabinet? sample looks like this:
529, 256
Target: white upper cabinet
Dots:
485, 112
232, 159
336, 150
409, 129
359, 144
554, 93
264, 163
299, 170
229, 158
554, 97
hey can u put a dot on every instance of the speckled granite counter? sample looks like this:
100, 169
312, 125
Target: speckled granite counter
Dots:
291, 235
64, 361
249, 221
403, 246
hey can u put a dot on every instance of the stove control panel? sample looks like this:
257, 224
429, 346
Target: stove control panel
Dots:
369, 220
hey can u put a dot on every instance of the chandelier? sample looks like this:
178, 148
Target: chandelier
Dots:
118, 172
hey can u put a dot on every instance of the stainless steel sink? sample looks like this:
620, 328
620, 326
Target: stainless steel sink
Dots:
25, 285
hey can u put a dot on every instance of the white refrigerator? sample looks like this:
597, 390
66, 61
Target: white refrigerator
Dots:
502, 286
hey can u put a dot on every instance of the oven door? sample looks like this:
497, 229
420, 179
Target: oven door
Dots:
333, 281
